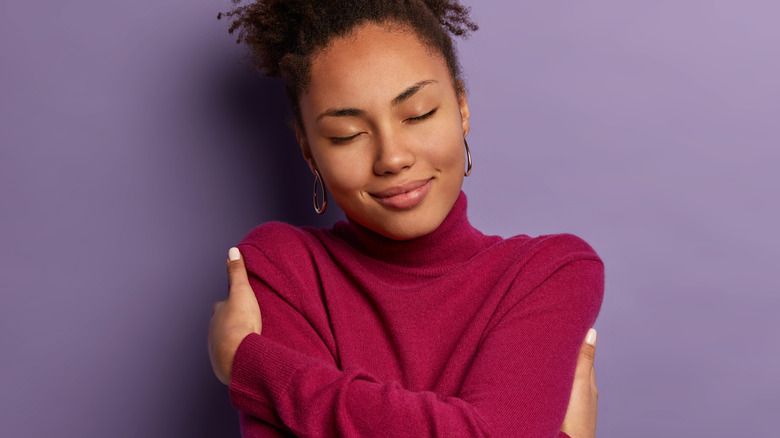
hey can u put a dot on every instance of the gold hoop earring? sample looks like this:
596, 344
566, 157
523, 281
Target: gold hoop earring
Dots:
318, 179
468, 158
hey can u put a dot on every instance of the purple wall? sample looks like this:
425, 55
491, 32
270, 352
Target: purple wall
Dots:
137, 147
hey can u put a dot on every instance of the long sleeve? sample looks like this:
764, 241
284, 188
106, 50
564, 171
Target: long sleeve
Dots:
517, 383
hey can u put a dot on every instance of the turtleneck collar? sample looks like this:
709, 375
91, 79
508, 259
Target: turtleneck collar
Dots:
454, 241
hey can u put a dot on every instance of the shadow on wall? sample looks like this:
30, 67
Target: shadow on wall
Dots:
256, 108
269, 181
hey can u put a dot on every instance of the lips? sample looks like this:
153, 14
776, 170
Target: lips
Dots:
404, 196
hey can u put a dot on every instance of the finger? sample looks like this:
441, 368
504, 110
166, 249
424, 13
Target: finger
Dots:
587, 355
591, 338
236, 269
589, 346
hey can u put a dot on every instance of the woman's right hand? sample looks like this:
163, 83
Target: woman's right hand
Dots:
580, 420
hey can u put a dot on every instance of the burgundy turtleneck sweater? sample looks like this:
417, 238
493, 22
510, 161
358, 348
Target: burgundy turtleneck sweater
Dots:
453, 334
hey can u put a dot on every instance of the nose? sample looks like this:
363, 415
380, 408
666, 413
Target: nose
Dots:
393, 155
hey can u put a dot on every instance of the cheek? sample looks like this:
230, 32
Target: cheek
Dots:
446, 151
343, 170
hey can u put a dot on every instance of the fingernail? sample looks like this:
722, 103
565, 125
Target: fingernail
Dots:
590, 339
234, 254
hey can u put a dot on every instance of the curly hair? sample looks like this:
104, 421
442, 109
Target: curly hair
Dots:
283, 35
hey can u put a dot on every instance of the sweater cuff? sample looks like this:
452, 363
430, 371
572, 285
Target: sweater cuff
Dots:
262, 370
563, 435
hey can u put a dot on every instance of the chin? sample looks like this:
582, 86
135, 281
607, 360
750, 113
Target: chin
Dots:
408, 224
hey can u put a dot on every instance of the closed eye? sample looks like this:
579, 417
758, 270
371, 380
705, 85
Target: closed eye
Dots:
343, 139
422, 117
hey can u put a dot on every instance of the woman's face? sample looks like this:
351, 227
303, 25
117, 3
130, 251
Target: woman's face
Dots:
385, 128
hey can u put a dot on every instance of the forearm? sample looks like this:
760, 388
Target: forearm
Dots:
254, 427
518, 383
313, 398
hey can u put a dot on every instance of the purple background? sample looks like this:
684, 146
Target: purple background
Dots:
137, 146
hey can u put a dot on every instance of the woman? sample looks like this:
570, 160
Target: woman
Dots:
405, 320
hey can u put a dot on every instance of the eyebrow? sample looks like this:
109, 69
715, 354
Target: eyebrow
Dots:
409, 92
354, 112
341, 112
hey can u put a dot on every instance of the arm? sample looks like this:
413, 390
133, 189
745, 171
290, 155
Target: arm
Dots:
518, 384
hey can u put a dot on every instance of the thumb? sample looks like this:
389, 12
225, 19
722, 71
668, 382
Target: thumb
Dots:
587, 353
236, 270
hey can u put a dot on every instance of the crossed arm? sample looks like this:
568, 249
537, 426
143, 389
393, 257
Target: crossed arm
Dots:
238, 319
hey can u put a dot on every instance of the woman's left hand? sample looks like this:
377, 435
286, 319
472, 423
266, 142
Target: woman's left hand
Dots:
580, 421
232, 319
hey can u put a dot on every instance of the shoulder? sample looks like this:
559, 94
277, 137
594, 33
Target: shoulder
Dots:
281, 246
570, 271
564, 261
272, 237
546, 252
558, 273
558, 249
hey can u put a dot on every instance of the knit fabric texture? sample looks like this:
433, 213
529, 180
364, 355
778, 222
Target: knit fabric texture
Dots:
453, 334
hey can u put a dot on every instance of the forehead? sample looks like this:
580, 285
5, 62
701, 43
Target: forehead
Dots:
374, 62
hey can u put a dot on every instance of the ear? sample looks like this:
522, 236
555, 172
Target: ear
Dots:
464, 108
305, 149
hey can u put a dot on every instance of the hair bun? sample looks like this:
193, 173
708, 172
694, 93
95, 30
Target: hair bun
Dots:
453, 16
